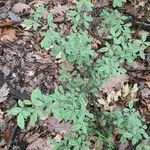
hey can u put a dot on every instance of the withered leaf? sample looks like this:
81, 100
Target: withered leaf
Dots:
114, 83
8, 34
41, 144
5, 22
4, 91
60, 9
20, 8
54, 124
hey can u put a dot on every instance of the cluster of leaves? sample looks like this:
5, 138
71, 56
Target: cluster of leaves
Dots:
81, 16
118, 3
69, 102
124, 95
122, 47
131, 126
35, 19
64, 105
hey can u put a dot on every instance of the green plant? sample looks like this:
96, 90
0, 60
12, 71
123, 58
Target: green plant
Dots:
64, 105
72, 141
35, 18
118, 3
80, 17
122, 46
70, 100
144, 145
76, 48
130, 125
50, 36
29, 109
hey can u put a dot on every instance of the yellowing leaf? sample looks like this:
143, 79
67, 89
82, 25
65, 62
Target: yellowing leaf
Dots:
110, 97
134, 91
148, 84
125, 90
117, 95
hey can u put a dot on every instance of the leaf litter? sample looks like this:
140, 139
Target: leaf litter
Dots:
4, 91
21, 57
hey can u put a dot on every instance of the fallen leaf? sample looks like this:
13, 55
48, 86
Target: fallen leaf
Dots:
5, 22
40, 144
60, 9
42, 57
114, 83
123, 146
14, 17
30, 137
145, 93
105, 104
6, 70
4, 91
20, 8
148, 84
8, 34
138, 66
54, 124
96, 43
58, 137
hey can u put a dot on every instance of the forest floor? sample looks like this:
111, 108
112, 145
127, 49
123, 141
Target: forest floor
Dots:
24, 65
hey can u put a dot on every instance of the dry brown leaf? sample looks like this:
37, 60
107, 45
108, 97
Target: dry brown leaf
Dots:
4, 91
113, 83
20, 8
123, 95
138, 66
145, 93
6, 70
40, 144
8, 34
60, 9
148, 84
30, 137
54, 124
58, 137
42, 57
96, 43
5, 22
105, 104
123, 146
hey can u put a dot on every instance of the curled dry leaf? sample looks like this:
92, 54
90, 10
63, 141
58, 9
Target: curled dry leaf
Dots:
138, 66
124, 94
4, 91
40, 144
42, 57
145, 93
8, 34
54, 124
20, 8
148, 84
60, 9
5, 22
114, 83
